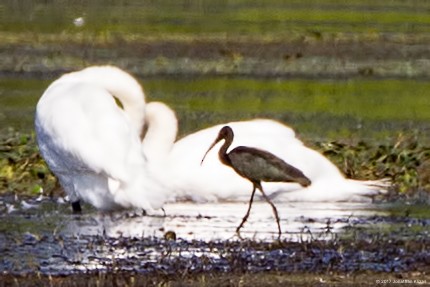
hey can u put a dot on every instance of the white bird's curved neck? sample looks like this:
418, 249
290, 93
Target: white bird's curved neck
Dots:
120, 85
162, 128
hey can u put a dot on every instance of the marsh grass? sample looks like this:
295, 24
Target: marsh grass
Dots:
359, 98
359, 69
404, 161
22, 169
237, 17
371, 110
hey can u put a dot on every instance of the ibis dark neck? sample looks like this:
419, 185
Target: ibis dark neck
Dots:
223, 156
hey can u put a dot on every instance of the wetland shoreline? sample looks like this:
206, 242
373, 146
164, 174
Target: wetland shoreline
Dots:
352, 78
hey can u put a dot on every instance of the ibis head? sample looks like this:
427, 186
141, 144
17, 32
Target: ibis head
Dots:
226, 133
255, 164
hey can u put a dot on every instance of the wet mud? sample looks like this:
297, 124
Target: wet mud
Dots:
42, 241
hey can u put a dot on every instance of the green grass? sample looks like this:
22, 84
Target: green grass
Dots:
365, 99
232, 17
16, 93
39, 36
316, 108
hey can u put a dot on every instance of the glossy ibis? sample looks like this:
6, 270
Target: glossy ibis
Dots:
256, 165
212, 181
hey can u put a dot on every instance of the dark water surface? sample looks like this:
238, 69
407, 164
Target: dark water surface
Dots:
41, 235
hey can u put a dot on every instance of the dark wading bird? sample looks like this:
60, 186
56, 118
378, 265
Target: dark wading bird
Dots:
256, 165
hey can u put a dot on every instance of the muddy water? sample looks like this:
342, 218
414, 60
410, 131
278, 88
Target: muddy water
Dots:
41, 235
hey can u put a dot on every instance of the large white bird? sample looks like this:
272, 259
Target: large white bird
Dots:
92, 145
187, 179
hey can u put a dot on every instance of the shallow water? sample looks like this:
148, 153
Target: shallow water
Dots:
333, 72
42, 235
218, 221
190, 221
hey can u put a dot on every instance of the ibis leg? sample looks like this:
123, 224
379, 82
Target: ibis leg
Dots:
247, 212
275, 211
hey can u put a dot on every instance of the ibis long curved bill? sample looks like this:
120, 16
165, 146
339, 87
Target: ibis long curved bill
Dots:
217, 140
256, 165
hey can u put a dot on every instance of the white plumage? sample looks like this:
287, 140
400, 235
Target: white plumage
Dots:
94, 148
213, 181
91, 144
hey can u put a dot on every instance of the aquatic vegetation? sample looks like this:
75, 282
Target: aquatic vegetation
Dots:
22, 169
405, 161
